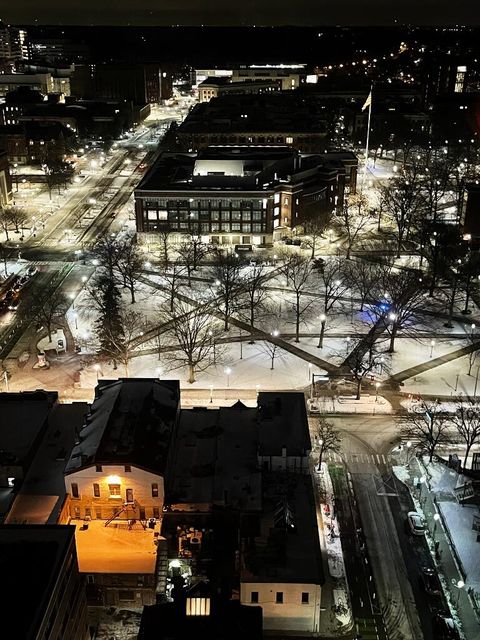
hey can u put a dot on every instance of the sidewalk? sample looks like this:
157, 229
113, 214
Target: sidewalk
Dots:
428, 501
336, 614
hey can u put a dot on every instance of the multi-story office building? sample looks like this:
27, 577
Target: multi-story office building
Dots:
13, 44
237, 195
291, 76
44, 595
38, 82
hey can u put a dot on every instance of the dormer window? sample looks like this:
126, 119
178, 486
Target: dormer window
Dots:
198, 607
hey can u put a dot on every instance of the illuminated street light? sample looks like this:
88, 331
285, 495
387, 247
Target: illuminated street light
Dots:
228, 371
432, 344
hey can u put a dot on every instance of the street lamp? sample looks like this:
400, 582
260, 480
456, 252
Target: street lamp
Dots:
228, 371
409, 448
75, 316
436, 518
84, 279
432, 344
72, 298
309, 370
348, 344
323, 319
211, 393
377, 387
159, 372
459, 584
423, 479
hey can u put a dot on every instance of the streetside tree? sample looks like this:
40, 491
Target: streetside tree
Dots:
327, 438
48, 308
466, 421
129, 263
428, 427
334, 285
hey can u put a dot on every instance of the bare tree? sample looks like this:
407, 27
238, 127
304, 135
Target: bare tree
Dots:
48, 308
164, 234
354, 217
5, 222
190, 331
228, 285
271, 347
434, 183
467, 423
192, 252
314, 231
364, 360
430, 427
364, 276
173, 278
327, 438
404, 291
129, 263
255, 294
334, 287
403, 202
298, 271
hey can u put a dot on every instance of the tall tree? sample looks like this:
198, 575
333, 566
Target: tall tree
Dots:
334, 285
254, 292
129, 263
365, 360
430, 427
314, 230
354, 217
298, 271
173, 276
466, 421
228, 285
48, 309
117, 338
190, 331
108, 326
327, 438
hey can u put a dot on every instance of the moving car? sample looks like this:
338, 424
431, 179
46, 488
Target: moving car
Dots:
445, 628
430, 581
415, 523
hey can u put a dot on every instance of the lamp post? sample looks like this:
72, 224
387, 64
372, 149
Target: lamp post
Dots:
459, 584
228, 371
348, 345
309, 371
323, 319
422, 482
75, 317
377, 387
72, 298
436, 518
212, 343
432, 344
409, 448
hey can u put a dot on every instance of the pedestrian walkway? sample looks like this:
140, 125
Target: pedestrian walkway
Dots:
433, 363
366, 458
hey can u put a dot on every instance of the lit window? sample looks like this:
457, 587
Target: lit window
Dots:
289, 140
154, 490
276, 198
96, 490
114, 490
198, 607
11, 482
285, 202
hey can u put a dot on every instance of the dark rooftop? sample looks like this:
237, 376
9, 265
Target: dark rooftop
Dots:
283, 423
30, 560
130, 422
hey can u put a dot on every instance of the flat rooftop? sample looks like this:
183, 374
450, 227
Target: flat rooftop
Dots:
283, 423
115, 548
288, 549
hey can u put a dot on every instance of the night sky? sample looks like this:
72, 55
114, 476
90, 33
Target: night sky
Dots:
241, 12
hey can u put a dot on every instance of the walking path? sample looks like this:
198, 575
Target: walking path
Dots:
435, 362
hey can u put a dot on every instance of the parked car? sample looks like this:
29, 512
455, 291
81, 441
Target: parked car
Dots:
32, 270
415, 523
430, 581
445, 628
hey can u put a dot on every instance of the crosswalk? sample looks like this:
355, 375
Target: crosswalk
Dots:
367, 458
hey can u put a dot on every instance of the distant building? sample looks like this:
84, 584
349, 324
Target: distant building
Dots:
239, 195
30, 142
214, 87
291, 76
13, 44
45, 597
5, 180
42, 82
271, 118
17, 102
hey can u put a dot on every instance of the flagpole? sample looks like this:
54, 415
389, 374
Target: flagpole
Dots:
368, 137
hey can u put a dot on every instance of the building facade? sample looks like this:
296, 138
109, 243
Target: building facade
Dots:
6, 194
236, 195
